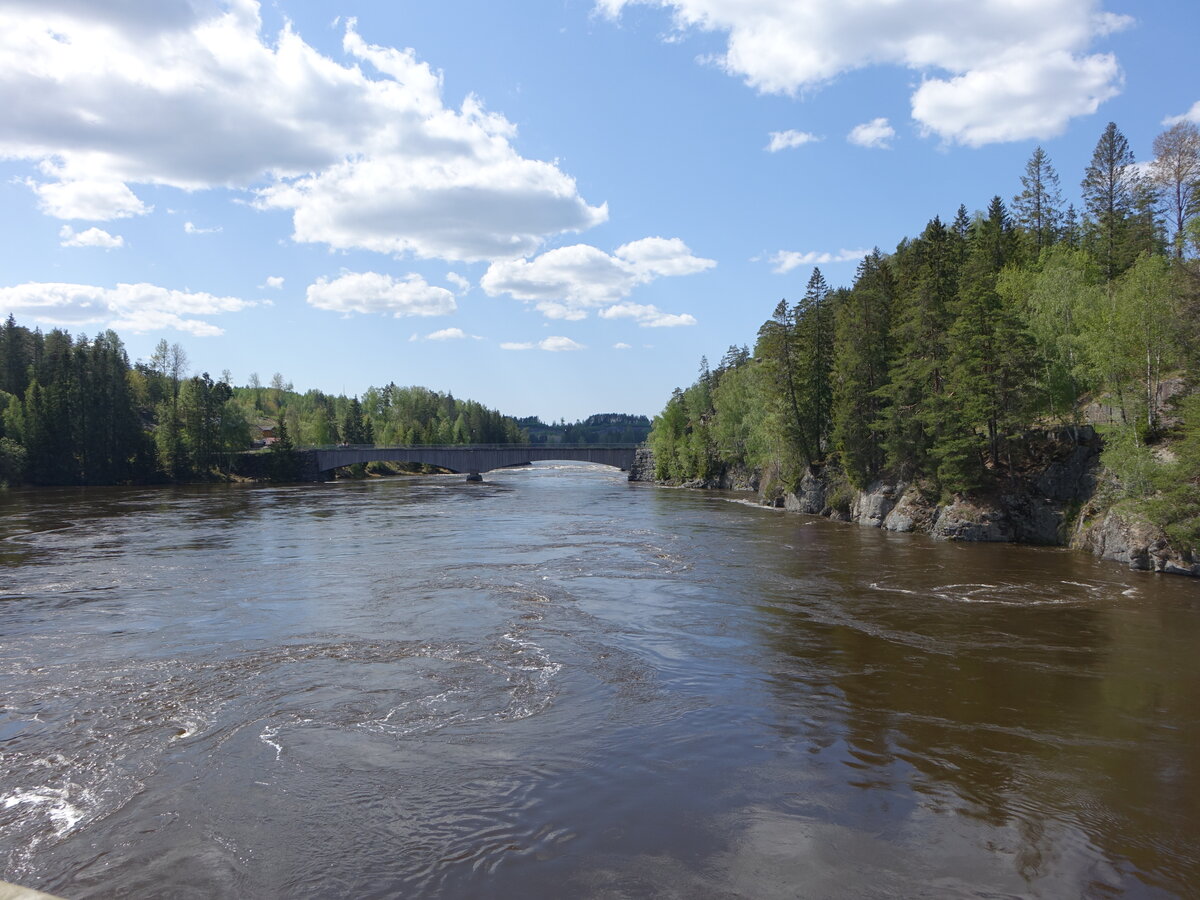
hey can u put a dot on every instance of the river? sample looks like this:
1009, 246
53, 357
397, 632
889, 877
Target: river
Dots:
559, 684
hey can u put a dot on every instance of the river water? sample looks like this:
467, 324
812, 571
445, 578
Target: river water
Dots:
559, 684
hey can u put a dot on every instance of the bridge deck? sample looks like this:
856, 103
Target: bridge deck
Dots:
469, 457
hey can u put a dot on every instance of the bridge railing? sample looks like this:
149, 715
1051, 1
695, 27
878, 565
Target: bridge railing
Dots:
468, 446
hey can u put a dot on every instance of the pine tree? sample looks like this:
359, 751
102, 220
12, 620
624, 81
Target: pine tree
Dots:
1038, 208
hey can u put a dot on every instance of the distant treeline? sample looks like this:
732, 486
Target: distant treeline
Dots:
603, 428
944, 353
75, 411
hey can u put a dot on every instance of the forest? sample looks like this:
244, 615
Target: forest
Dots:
75, 411
602, 428
943, 357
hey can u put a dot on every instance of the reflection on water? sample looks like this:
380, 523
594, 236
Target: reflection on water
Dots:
556, 683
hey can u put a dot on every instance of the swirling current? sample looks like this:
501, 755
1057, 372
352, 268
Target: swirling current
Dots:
557, 683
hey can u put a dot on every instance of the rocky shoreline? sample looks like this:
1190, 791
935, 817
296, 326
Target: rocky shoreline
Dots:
1056, 502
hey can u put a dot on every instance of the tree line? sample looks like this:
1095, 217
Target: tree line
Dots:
74, 410
602, 428
942, 355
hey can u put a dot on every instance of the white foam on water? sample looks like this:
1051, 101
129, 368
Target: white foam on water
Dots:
63, 814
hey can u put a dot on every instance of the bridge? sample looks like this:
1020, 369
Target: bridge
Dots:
472, 459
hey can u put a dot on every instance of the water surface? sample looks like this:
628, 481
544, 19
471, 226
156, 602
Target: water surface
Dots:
556, 683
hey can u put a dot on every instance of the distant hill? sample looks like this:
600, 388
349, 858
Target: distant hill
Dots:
602, 428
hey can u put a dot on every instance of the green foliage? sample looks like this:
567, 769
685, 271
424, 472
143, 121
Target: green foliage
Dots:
285, 462
862, 358
942, 355
76, 412
1176, 504
12, 462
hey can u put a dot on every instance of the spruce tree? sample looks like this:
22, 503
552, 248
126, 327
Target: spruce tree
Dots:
862, 353
1038, 208
915, 393
777, 348
989, 358
1112, 188
814, 325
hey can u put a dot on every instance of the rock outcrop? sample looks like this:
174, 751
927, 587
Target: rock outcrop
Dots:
1117, 535
1050, 501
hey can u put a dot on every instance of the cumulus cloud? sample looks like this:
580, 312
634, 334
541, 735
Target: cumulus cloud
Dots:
92, 237
275, 282
363, 153
567, 282
875, 134
84, 198
126, 307
1192, 115
459, 282
993, 71
373, 293
786, 260
786, 140
621, 345
555, 344
1026, 96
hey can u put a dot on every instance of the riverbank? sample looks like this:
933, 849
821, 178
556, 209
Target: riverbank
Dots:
1056, 501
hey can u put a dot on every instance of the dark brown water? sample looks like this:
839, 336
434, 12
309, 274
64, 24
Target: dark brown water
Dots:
559, 684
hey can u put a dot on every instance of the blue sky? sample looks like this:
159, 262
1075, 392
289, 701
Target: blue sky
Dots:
554, 207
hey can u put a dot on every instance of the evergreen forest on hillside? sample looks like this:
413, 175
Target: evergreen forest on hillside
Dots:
942, 356
75, 411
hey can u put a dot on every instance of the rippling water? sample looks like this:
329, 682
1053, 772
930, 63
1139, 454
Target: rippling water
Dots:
556, 683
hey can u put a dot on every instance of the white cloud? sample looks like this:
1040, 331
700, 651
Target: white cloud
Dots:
190, 228
127, 307
555, 344
1192, 115
364, 154
647, 316
275, 282
621, 345
1016, 98
566, 282
451, 334
559, 344
92, 237
992, 71
786, 140
85, 198
786, 260
371, 292
459, 282
874, 134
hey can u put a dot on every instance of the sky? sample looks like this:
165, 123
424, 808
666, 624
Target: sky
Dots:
554, 207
